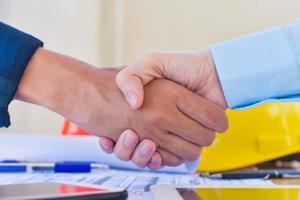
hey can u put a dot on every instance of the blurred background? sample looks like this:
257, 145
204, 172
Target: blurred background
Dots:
116, 32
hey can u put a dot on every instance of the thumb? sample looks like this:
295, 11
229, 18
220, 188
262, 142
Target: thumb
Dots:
131, 87
131, 80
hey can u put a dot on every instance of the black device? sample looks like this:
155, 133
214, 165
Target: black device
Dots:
49, 191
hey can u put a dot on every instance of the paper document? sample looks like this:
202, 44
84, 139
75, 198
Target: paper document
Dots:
137, 183
42, 148
37, 148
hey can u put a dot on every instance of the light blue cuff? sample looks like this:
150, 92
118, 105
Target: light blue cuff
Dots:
260, 67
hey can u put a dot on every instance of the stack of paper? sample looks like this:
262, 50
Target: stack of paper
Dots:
80, 148
136, 183
68, 148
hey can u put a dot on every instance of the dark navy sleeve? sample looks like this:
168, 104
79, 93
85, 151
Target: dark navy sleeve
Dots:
16, 49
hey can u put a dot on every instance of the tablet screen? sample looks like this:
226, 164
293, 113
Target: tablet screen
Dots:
45, 189
239, 193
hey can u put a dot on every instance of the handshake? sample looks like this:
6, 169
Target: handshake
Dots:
182, 103
159, 111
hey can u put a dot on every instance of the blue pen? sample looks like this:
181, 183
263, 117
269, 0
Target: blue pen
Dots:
13, 169
58, 167
9, 161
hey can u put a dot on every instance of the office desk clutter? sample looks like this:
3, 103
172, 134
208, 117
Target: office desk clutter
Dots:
68, 163
40, 148
55, 167
137, 183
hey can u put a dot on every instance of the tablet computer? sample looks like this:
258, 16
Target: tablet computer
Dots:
50, 191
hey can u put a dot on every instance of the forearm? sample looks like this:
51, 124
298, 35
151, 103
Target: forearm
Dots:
54, 81
75, 90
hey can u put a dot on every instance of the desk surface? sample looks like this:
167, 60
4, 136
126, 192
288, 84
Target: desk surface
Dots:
287, 181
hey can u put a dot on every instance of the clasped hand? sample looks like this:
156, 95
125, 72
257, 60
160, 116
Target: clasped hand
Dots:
199, 118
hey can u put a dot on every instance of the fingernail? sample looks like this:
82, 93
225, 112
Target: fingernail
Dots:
131, 98
146, 149
128, 140
153, 161
107, 147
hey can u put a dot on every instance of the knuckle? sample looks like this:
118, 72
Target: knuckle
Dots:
152, 55
150, 142
122, 157
139, 162
210, 137
174, 162
121, 154
159, 118
120, 77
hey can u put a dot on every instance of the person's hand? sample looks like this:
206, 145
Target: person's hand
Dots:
171, 116
195, 71
165, 118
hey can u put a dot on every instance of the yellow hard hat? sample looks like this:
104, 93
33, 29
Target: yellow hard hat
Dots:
275, 193
255, 135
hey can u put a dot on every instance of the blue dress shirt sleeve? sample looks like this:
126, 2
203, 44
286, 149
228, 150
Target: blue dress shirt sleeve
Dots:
16, 49
260, 67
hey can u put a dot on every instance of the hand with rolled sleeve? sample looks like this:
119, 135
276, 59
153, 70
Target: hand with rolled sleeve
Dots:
238, 73
171, 115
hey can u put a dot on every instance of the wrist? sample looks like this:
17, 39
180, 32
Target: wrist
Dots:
50, 80
215, 91
33, 87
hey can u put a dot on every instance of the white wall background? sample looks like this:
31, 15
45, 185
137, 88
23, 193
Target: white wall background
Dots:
68, 26
116, 32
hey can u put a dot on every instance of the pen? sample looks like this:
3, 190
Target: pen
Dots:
263, 174
57, 167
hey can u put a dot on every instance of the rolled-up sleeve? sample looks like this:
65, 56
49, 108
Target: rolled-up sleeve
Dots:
260, 67
16, 49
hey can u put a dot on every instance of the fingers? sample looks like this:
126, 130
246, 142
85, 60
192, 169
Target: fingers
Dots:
179, 147
192, 131
126, 145
127, 148
106, 144
143, 153
203, 111
155, 161
169, 159
132, 88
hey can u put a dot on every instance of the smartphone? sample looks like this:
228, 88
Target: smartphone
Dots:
277, 192
49, 191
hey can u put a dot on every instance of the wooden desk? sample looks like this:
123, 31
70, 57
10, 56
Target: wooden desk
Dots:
287, 181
